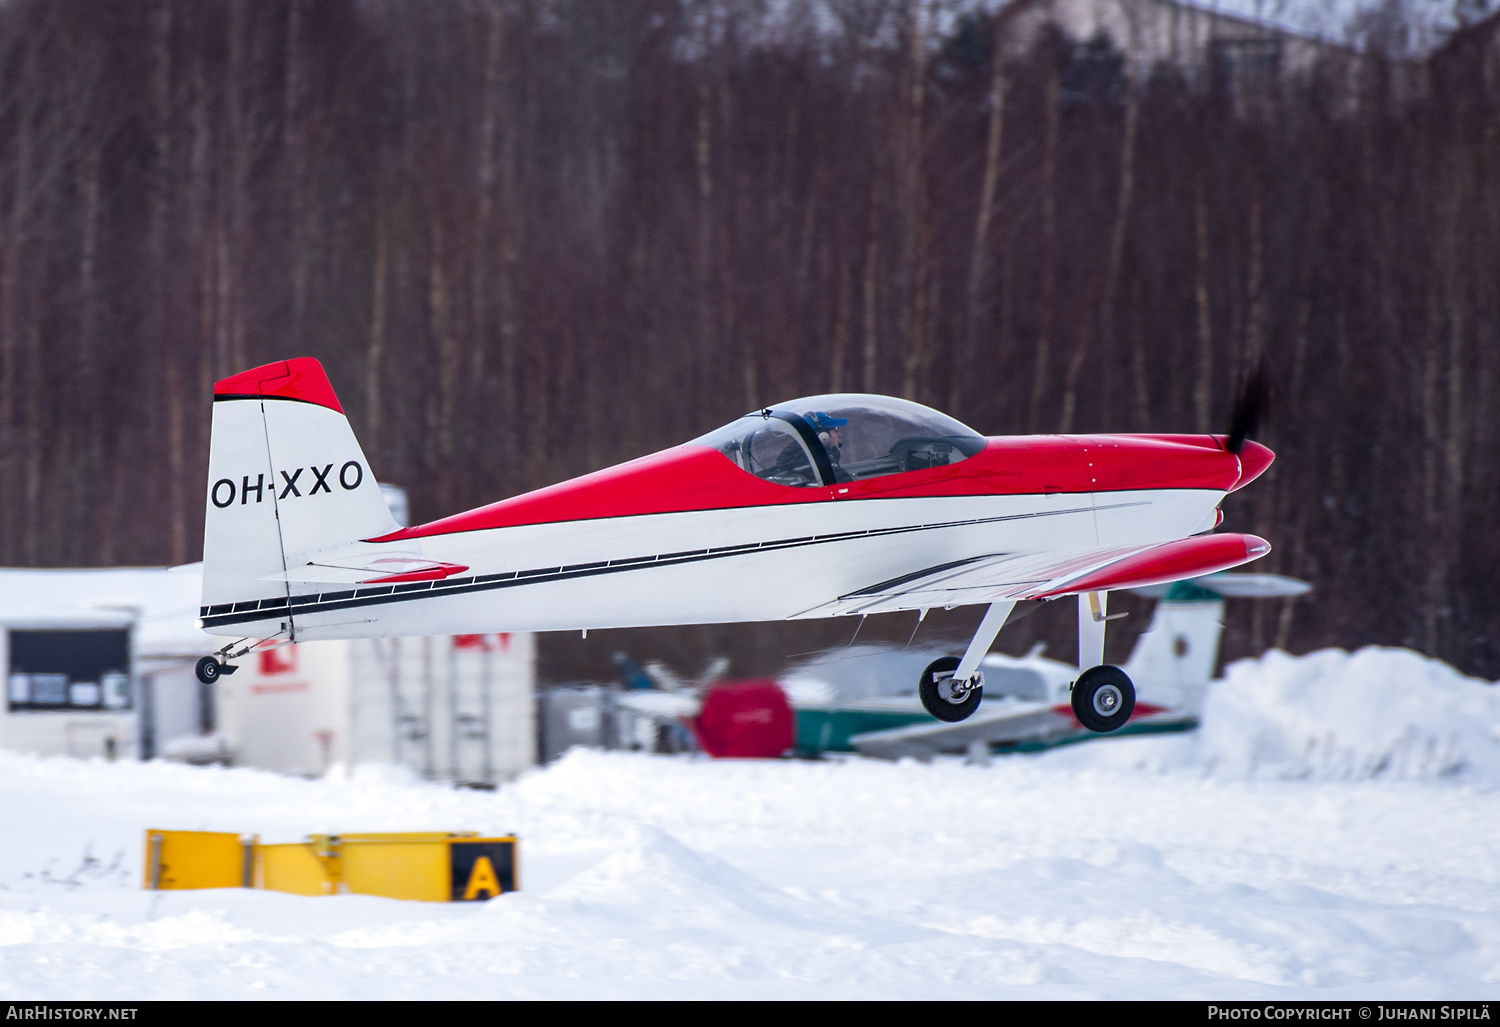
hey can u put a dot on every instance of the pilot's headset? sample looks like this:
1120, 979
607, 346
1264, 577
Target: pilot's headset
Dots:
823, 424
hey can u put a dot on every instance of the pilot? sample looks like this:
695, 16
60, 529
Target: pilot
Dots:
830, 433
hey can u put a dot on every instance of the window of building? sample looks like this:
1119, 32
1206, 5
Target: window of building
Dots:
69, 670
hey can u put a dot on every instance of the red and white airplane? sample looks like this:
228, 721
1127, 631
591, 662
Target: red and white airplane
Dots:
830, 506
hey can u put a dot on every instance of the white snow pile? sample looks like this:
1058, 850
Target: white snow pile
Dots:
1328, 852
1373, 713
653, 876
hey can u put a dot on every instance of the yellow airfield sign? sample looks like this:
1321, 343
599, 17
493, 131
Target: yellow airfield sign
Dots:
436, 866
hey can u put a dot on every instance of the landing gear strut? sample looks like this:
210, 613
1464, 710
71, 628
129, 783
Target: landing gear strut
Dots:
951, 688
210, 668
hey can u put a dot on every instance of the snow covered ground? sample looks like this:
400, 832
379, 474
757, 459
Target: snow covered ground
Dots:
1301, 845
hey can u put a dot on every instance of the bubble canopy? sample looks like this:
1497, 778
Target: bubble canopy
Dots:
823, 440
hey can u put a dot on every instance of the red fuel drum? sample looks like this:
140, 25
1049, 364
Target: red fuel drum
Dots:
746, 720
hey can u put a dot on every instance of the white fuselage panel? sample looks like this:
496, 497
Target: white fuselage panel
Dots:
714, 566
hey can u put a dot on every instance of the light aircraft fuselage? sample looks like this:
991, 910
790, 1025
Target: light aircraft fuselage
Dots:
832, 505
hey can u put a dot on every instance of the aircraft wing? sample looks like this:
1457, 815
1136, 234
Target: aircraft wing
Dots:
1015, 576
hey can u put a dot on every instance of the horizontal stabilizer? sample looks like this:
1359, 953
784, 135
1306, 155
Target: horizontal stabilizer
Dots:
386, 570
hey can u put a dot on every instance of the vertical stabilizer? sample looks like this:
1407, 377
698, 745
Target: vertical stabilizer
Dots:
286, 478
1176, 655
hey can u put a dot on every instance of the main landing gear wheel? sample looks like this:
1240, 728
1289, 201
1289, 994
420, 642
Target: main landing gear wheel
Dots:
944, 698
1103, 698
208, 670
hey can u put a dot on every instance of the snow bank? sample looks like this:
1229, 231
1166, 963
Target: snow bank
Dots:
1332, 852
1374, 713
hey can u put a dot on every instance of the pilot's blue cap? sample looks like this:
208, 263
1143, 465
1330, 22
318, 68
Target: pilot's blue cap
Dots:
822, 421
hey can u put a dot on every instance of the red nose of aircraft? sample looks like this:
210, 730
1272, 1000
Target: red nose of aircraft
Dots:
1254, 459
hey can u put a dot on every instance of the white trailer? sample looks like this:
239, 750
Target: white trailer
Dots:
458, 708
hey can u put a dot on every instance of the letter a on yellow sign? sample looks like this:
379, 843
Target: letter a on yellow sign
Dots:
482, 878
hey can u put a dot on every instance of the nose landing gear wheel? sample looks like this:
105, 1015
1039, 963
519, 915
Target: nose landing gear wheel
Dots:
1103, 698
944, 698
208, 670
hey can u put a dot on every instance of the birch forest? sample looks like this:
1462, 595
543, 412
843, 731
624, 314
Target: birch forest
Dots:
530, 238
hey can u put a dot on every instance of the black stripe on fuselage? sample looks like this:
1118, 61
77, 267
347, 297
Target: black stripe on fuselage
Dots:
375, 595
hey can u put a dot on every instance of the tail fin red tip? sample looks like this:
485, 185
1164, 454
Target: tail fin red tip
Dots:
300, 378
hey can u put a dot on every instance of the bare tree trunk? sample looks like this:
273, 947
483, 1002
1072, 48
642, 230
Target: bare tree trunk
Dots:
118, 476
1108, 341
871, 289
703, 153
33, 442
841, 328
1140, 377
157, 244
177, 462
11, 257
1049, 244
979, 258
1442, 406
225, 356
375, 347
241, 145
294, 146
1203, 383
1289, 604
1432, 452
1070, 383
87, 495
539, 445
201, 241
481, 264
440, 313
1255, 299
1455, 435
510, 259
914, 204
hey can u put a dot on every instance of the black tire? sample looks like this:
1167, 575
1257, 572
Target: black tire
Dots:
1103, 698
208, 670
929, 689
